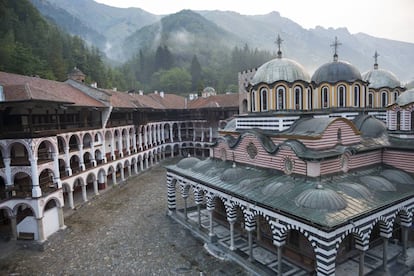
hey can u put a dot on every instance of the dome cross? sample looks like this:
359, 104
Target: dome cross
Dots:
335, 45
376, 55
279, 43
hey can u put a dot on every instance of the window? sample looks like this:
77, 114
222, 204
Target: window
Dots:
298, 98
398, 119
280, 98
263, 99
384, 99
395, 96
310, 98
253, 101
356, 95
339, 134
370, 99
341, 96
325, 97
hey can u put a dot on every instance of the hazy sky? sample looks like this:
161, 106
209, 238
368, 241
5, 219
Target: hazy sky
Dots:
393, 19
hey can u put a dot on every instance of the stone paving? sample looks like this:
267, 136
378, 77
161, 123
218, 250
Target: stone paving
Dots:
124, 231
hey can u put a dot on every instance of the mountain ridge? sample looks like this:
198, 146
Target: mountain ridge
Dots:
310, 47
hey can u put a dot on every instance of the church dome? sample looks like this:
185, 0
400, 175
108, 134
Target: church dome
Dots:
379, 78
321, 198
336, 71
187, 163
370, 126
405, 98
280, 69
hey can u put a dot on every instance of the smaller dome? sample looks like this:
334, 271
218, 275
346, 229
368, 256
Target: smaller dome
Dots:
277, 188
379, 78
233, 174
355, 190
405, 98
397, 176
280, 69
321, 199
370, 126
203, 165
335, 71
378, 183
187, 163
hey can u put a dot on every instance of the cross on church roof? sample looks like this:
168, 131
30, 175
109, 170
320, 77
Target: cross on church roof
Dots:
279, 43
376, 55
335, 45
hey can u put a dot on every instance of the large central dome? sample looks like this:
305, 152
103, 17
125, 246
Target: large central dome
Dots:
280, 69
336, 71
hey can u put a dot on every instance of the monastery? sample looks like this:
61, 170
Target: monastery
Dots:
314, 173
63, 143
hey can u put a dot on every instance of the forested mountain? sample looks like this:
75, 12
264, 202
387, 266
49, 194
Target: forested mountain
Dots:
179, 53
70, 23
114, 24
32, 46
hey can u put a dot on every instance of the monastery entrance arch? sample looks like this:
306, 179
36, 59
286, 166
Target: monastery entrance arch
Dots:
6, 227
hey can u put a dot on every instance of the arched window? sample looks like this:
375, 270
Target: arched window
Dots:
298, 98
325, 97
310, 98
356, 95
253, 101
384, 99
394, 96
370, 99
263, 99
280, 98
341, 96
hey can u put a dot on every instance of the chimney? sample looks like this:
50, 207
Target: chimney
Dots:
94, 85
114, 89
140, 92
162, 94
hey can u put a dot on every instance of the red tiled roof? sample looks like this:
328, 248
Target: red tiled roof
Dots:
169, 101
222, 100
19, 88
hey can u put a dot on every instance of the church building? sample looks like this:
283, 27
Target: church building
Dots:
317, 175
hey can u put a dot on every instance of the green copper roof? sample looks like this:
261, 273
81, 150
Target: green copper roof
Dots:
348, 196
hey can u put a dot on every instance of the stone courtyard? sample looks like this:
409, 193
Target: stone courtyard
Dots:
124, 231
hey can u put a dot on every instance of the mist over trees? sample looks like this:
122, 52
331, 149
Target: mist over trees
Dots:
31, 45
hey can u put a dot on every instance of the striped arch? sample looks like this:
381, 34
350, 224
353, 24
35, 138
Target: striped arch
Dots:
198, 194
361, 241
385, 227
210, 201
184, 189
302, 231
405, 216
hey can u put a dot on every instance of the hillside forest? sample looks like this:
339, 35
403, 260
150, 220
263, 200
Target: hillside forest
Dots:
32, 45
